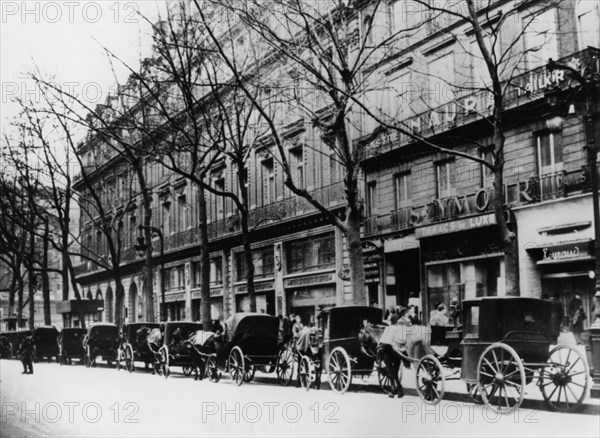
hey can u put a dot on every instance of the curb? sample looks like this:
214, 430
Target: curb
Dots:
532, 404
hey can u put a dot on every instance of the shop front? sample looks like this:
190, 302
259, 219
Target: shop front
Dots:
308, 295
216, 304
402, 271
175, 306
557, 255
72, 310
462, 259
265, 297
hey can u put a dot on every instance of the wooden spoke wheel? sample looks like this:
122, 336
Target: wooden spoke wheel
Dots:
211, 369
307, 372
382, 375
129, 362
237, 368
430, 380
339, 370
164, 361
474, 393
501, 378
284, 366
565, 379
249, 374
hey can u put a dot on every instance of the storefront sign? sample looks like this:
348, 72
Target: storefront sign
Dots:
308, 281
464, 110
455, 226
566, 252
171, 298
372, 256
258, 287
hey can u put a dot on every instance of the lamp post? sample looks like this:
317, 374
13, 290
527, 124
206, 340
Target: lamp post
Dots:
589, 89
141, 247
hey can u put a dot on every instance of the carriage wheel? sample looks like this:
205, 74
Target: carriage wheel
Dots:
284, 366
164, 361
430, 380
307, 372
565, 379
212, 370
339, 370
501, 378
249, 374
474, 393
382, 374
129, 362
88, 357
237, 368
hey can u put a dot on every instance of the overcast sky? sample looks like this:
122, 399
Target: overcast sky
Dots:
64, 38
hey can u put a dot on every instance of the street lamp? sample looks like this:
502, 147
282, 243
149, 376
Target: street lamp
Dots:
588, 87
141, 248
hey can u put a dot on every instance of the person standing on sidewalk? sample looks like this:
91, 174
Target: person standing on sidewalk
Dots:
392, 347
26, 350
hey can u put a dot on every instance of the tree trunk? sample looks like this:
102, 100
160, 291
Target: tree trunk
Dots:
357, 265
45, 279
119, 298
509, 239
248, 259
204, 261
11, 293
75, 286
31, 278
149, 283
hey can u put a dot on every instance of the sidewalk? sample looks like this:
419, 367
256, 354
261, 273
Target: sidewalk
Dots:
455, 389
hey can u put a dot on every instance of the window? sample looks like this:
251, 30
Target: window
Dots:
181, 277
268, 181
219, 201
166, 218
401, 190
297, 162
549, 152
196, 274
169, 278
486, 175
441, 80
487, 272
445, 179
540, 38
263, 260
311, 254
333, 168
181, 213
371, 198
588, 21
367, 30
216, 271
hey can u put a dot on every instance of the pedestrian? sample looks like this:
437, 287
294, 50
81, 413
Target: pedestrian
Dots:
392, 347
574, 304
556, 317
412, 315
577, 326
440, 317
596, 310
26, 351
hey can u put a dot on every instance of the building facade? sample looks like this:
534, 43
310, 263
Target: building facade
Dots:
429, 231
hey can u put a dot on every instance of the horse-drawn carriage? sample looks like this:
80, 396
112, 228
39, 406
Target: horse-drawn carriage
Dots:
70, 343
338, 349
45, 343
175, 349
506, 346
134, 345
101, 340
16, 339
6, 339
250, 343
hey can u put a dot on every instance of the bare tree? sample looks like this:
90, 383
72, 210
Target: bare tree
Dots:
326, 49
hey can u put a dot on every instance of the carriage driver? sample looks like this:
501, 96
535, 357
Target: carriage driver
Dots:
393, 347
